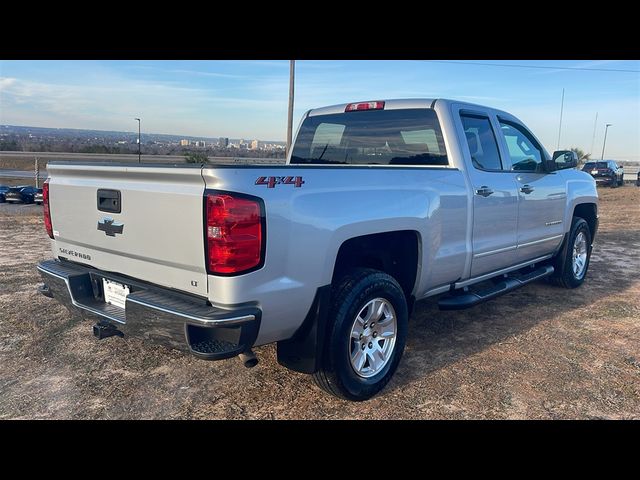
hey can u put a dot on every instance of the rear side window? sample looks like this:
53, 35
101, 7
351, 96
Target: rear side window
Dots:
481, 142
371, 137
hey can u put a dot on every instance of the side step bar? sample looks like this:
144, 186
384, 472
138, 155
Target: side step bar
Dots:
460, 301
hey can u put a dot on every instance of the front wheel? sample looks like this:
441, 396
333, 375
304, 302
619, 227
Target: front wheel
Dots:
367, 336
572, 262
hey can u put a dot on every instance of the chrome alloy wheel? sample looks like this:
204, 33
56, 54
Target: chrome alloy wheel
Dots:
373, 337
579, 262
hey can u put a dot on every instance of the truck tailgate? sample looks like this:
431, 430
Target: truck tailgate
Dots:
158, 234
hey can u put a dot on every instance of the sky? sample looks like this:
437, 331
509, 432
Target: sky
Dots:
248, 99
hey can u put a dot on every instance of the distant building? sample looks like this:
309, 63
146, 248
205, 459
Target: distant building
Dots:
255, 145
201, 143
185, 143
223, 142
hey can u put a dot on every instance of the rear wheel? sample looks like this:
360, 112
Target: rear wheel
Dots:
572, 262
367, 337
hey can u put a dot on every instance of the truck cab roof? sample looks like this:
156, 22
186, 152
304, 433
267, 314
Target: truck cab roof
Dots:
404, 103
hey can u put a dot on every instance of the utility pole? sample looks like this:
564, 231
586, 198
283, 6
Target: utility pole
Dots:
593, 139
604, 143
292, 68
138, 140
37, 174
560, 127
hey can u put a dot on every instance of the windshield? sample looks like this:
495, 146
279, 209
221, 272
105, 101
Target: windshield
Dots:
371, 137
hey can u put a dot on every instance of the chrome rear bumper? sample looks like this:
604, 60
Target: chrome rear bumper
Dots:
154, 313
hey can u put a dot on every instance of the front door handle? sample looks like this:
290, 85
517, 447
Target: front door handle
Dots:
484, 191
526, 189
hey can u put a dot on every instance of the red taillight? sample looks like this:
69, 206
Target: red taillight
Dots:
47, 211
234, 233
352, 107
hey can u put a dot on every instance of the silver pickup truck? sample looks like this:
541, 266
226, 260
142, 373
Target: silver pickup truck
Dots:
380, 204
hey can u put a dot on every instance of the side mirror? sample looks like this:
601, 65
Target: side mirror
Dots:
562, 159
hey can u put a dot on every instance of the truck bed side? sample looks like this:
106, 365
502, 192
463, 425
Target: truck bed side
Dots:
307, 225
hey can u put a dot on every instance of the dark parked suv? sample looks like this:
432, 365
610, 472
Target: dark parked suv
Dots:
3, 190
22, 194
606, 172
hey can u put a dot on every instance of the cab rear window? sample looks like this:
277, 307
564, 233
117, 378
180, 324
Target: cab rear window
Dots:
372, 137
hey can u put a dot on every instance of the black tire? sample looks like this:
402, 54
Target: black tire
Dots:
336, 375
564, 275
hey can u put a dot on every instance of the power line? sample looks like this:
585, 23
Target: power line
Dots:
593, 139
560, 127
546, 67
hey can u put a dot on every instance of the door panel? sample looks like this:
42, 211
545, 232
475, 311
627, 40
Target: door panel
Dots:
495, 199
495, 223
540, 214
542, 196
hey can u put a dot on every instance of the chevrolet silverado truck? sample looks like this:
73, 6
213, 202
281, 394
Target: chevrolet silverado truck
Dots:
380, 204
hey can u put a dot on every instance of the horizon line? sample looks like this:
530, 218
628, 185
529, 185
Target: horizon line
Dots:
135, 133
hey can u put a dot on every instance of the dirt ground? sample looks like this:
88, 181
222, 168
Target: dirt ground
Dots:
15, 162
540, 352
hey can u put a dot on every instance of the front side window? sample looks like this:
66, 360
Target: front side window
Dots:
371, 137
525, 154
481, 142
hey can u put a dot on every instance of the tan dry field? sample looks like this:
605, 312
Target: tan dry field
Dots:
540, 352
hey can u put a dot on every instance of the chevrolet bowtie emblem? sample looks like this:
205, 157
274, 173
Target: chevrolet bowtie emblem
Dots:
110, 226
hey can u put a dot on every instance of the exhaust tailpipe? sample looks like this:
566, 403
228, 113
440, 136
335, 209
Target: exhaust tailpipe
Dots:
45, 290
105, 330
248, 359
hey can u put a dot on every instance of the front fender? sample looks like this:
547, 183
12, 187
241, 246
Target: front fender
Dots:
580, 189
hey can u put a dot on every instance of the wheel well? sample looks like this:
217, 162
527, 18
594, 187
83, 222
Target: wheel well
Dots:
588, 211
395, 253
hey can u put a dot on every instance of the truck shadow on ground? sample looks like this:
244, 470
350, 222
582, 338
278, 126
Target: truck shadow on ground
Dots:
437, 339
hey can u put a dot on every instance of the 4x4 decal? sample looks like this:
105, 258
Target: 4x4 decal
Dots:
271, 182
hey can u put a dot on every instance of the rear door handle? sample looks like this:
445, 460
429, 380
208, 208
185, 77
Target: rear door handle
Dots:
484, 191
526, 189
